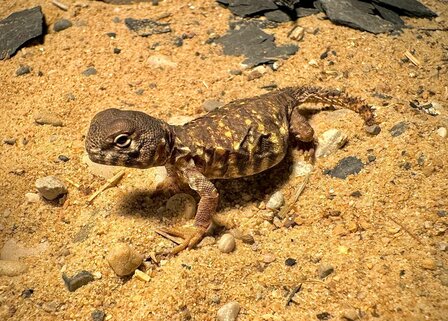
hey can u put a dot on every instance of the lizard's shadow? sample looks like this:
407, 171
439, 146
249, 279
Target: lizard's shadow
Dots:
239, 191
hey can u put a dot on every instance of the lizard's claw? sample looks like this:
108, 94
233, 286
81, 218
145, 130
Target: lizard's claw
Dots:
191, 238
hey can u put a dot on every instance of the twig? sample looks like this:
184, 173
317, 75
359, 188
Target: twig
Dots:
404, 229
167, 236
412, 58
73, 183
285, 210
293, 292
110, 183
60, 5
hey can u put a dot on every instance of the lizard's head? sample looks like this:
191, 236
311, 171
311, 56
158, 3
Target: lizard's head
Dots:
128, 138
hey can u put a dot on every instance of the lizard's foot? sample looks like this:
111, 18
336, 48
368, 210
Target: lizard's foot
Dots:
191, 238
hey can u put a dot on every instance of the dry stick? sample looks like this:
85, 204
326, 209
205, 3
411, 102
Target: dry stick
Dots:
167, 236
404, 228
110, 183
292, 293
412, 58
60, 5
285, 210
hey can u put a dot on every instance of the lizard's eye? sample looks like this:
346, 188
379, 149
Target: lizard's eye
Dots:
122, 140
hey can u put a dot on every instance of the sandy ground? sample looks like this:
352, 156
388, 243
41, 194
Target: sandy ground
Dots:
385, 246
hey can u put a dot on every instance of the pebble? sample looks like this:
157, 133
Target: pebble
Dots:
89, 72
297, 33
23, 70
50, 187
290, 261
63, 158
254, 75
442, 132
350, 315
226, 243
117, 51
347, 166
325, 270
161, 61
182, 204
62, 25
178, 41
443, 246
428, 264
112, 35
444, 279
32, 198
27, 293
248, 239
142, 276
301, 168
235, 72
10, 141
12, 268
276, 201
80, 279
123, 259
398, 129
98, 315
48, 119
373, 129
323, 316
228, 312
269, 258
212, 104
330, 141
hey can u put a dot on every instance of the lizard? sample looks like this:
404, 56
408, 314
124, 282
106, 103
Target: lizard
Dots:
242, 138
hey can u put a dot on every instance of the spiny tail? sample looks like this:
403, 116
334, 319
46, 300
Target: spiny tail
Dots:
333, 97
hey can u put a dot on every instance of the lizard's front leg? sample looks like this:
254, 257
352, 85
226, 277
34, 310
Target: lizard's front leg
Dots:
206, 208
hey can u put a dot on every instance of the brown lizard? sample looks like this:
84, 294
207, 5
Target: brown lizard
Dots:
242, 138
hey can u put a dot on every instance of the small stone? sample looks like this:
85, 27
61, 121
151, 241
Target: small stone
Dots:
226, 243
123, 259
323, 316
78, 280
442, 213
98, 315
350, 315
325, 270
23, 70
63, 158
146, 27
112, 35
248, 239
211, 104
442, 132
235, 72
373, 129
345, 167
32, 198
12, 268
62, 25
89, 72
50, 187
443, 246
330, 141
10, 141
182, 204
117, 51
254, 75
269, 258
26, 294
70, 97
297, 33
399, 129
161, 61
290, 261
178, 41
48, 119
142, 276
301, 168
216, 299
228, 312
428, 264
276, 201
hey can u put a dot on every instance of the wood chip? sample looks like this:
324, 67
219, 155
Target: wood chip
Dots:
110, 183
142, 276
412, 58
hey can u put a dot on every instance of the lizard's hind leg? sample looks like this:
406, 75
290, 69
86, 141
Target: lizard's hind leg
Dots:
299, 128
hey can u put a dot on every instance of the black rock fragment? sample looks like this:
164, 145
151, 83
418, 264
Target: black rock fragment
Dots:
98, 315
244, 8
277, 16
398, 129
323, 316
75, 282
411, 8
27, 293
290, 261
146, 27
346, 166
256, 45
356, 15
23, 70
390, 16
89, 72
62, 25
18, 28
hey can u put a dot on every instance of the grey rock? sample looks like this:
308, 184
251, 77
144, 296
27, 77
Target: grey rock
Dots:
229, 311
78, 280
355, 14
277, 16
50, 187
98, 315
89, 72
63, 158
412, 8
27, 293
325, 270
23, 70
18, 28
244, 8
373, 129
345, 167
12, 268
146, 27
10, 141
62, 25
211, 104
330, 141
390, 16
304, 12
48, 119
398, 129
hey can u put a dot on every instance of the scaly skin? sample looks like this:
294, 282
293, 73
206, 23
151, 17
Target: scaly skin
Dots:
242, 138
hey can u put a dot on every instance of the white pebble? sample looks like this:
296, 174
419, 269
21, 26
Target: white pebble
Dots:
276, 201
297, 33
442, 131
123, 259
226, 243
229, 311
330, 141
32, 198
301, 168
50, 187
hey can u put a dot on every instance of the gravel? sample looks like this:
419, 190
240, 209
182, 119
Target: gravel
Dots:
50, 187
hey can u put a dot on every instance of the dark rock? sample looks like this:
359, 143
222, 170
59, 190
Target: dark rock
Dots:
346, 166
146, 27
117, 51
112, 35
18, 28
62, 25
75, 282
442, 213
277, 16
10, 141
63, 158
390, 15
27, 293
178, 41
290, 262
89, 71
371, 158
325, 270
269, 87
324, 316
356, 194
252, 42
373, 129
304, 12
399, 129
236, 72
244, 8
23, 70
353, 14
411, 8
98, 315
